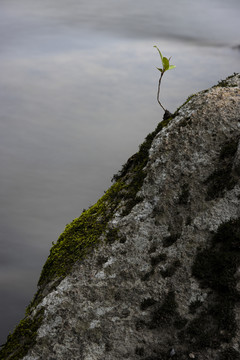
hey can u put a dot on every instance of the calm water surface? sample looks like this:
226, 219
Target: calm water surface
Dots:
78, 95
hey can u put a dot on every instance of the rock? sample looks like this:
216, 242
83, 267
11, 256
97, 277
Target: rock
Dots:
154, 264
167, 115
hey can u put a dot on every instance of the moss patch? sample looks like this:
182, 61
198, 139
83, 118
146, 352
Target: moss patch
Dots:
224, 83
132, 172
84, 233
79, 237
22, 339
188, 99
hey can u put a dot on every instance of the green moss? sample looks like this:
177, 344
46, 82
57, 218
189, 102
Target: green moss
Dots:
84, 233
135, 162
76, 242
188, 99
224, 83
79, 237
22, 339
133, 170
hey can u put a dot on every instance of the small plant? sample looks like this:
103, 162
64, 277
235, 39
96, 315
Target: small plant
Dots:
165, 66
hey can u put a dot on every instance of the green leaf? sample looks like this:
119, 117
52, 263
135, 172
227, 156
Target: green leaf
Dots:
159, 52
165, 62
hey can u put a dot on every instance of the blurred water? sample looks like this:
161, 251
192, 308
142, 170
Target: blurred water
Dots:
78, 94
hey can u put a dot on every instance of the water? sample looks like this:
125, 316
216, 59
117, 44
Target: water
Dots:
78, 95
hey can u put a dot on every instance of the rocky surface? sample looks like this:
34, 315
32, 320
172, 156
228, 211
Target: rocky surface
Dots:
161, 279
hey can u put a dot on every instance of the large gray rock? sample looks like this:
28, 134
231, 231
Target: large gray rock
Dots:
152, 271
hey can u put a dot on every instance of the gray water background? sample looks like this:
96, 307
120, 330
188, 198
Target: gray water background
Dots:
78, 87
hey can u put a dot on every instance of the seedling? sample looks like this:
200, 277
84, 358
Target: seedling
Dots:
165, 66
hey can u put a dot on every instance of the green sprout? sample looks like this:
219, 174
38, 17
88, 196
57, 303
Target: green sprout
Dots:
165, 66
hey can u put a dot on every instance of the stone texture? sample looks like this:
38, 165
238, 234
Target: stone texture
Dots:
142, 296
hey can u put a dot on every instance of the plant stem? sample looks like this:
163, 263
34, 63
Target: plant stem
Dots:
158, 93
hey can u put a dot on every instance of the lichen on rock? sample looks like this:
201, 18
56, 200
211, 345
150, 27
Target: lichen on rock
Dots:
152, 270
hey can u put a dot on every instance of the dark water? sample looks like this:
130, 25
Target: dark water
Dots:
78, 94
